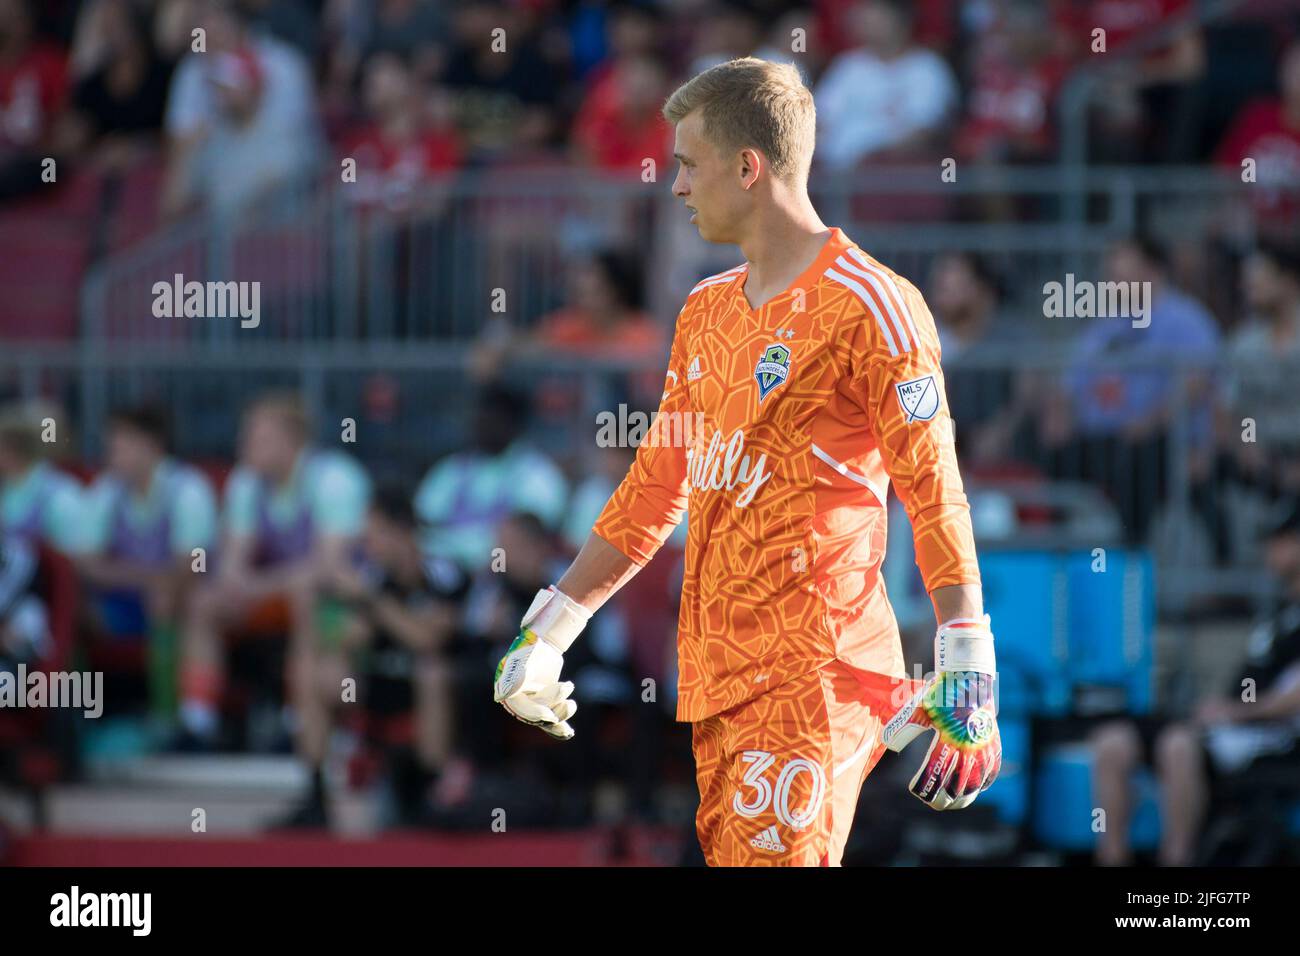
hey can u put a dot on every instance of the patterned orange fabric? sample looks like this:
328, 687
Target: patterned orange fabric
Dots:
780, 428
780, 775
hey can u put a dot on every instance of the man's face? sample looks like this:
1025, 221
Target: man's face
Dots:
268, 446
1262, 283
1125, 264
709, 183
1282, 555
131, 455
383, 539
954, 289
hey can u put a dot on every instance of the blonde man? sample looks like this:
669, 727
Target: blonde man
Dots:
815, 372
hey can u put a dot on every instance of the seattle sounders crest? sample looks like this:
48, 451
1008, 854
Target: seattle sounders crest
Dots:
772, 369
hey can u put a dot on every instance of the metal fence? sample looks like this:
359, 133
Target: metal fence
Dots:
486, 245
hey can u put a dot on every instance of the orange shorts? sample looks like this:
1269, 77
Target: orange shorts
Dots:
780, 775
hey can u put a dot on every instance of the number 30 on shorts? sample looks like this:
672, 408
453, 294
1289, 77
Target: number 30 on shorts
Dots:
756, 778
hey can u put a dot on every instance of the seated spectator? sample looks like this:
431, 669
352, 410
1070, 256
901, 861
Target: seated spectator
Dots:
33, 85
404, 142
145, 516
1121, 395
605, 318
293, 515
1148, 107
721, 32
887, 98
1255, 724
504, 97
619, 124
120, 87
1268, 132
24, 618
38, 503
1263, 376
977, 340
404, 610
465, 496
1015, 79
241, 120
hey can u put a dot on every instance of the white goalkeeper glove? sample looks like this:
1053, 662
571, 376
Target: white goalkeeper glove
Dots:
958, 705
527, 680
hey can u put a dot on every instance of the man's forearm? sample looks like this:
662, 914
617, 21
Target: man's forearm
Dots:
957, 601
598, 571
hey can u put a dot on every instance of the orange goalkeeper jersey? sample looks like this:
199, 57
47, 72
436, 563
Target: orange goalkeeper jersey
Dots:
779, 431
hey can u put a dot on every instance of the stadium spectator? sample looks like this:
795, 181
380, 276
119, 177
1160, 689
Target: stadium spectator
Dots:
38, 502
619, 126
886, 99
1148, 108
240, 122
504, 96
723, 31
1255, 724
1121, 397
1263, 375
404, 610
144, 518
604, 318
975, 336
33, 85
24, 619
464, 497
1267, 131
119, 88
1013, 87
293, 515
406, 141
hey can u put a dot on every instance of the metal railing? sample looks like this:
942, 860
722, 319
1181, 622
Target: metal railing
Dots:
484, 246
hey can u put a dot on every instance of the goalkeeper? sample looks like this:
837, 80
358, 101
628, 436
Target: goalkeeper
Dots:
812, 371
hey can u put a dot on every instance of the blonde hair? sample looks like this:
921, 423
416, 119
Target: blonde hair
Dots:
755, 103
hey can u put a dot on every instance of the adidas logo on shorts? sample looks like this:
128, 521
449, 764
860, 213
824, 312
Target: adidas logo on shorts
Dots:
769, 840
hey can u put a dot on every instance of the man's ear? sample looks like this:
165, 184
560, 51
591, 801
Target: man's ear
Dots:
751, 161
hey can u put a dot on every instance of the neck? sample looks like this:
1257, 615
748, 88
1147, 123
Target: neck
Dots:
781, 241
140, 482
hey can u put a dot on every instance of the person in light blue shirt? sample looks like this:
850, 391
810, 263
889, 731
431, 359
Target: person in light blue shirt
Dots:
1130, 391
150, 521
38, 503
463, 499
292, 519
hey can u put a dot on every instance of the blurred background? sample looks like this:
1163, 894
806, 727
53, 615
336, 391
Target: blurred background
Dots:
464, 251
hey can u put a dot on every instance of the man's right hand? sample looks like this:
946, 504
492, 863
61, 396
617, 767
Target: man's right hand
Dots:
527, 681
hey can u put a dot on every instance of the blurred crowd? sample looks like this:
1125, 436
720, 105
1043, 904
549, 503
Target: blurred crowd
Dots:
416, 89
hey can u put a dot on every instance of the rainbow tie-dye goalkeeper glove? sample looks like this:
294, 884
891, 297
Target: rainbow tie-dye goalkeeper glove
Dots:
957, 704
527, 681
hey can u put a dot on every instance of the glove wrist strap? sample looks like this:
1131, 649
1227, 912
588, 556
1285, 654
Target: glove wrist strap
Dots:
556, 618
965, 644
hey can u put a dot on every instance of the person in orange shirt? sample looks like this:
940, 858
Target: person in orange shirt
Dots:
800, 384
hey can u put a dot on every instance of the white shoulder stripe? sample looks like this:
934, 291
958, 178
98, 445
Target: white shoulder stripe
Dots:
893, 289
861, 293
873, 278
719, 279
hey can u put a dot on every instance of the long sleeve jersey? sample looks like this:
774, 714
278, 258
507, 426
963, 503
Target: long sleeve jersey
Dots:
779, 430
